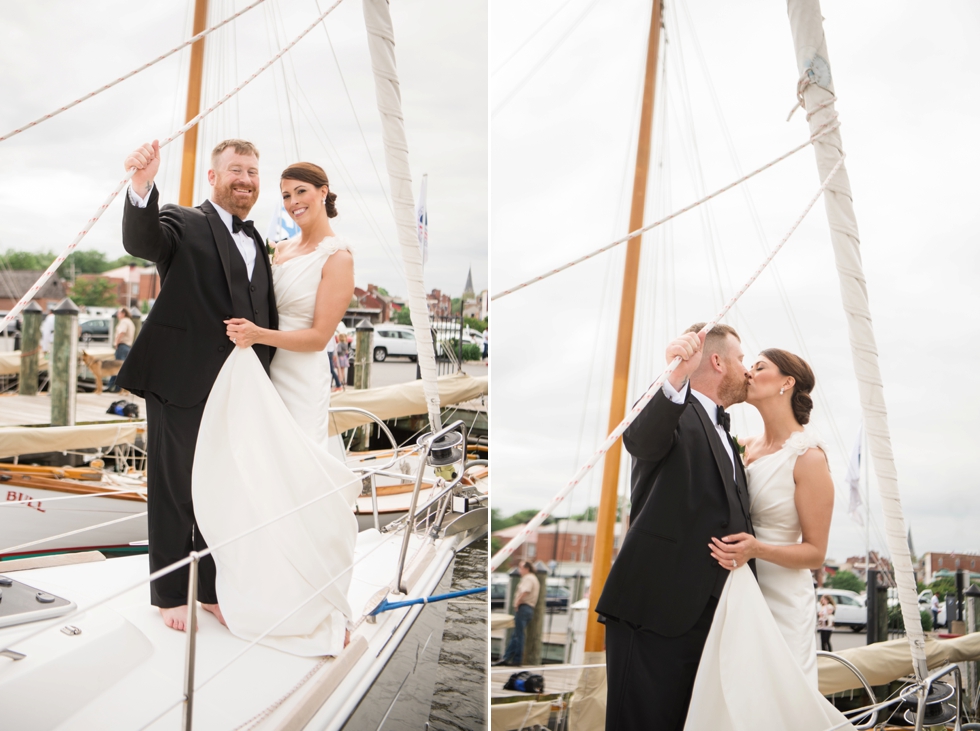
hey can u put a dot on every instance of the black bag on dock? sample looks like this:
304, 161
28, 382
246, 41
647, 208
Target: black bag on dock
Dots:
124, 408
525, 682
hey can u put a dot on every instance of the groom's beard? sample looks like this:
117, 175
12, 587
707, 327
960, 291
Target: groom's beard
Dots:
734, 389
235, 205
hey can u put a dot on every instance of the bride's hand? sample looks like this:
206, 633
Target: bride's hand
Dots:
738, 548
243, 333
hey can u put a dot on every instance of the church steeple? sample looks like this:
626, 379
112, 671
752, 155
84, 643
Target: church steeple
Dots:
468, 293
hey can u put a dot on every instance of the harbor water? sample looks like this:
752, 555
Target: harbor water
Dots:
460, 699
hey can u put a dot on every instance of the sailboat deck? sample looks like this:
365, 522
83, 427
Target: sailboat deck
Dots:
20, 410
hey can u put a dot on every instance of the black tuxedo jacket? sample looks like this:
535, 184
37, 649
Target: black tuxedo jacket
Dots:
683, 492
182, 344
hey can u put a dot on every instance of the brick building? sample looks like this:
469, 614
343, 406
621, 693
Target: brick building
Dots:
14, 285
932, 563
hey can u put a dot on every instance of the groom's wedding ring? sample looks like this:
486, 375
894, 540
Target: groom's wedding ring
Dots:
234, 340
734, 564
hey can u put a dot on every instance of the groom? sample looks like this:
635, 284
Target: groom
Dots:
213, 266
688, 484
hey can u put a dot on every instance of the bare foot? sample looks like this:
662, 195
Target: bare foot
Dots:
346, 638
216, 611
175, 617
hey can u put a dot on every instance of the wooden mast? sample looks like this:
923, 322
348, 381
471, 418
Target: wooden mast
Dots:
606, 519
187, 168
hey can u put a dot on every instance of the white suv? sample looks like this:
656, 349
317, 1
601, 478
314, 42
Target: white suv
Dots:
394, 340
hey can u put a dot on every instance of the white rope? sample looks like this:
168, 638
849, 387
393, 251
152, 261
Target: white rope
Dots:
144, 67
108, 493
813, 65
538, 519
112, 196
672, 216
72, 532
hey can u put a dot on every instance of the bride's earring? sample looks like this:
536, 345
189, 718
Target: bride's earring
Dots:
782, 391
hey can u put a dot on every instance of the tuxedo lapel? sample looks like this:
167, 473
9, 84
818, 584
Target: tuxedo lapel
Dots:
742, 484
717, 449
222, 239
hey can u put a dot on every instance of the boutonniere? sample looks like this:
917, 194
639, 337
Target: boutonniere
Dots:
739, 446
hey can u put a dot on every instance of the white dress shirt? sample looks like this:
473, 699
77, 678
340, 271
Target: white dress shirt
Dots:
711, 408
244, 242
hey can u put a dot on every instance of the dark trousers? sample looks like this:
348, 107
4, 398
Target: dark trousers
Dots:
122, 350
173, 532
515, 650
825, 640
333, 372
650, 677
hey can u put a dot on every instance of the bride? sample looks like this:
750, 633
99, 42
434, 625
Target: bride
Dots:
759, 666
262, 447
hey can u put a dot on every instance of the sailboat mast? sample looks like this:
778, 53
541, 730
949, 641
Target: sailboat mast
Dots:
606, 518
189, 159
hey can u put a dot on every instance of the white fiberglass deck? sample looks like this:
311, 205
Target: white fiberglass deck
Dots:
126, 667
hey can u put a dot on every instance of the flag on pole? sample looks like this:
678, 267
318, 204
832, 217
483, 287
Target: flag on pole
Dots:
281, 226
422, 220
853, 479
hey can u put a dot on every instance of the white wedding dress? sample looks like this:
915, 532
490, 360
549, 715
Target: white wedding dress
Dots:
758, 670
262, 451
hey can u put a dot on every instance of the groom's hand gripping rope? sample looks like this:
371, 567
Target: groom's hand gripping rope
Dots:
734, 550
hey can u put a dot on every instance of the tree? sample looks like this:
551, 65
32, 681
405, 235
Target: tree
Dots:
402, 317
95, 292
846, 580
472, 322
86, 262
943, 585
456, 306
27, 260
383, 291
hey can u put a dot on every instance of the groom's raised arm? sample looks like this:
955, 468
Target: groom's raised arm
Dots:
148, 232
652, 434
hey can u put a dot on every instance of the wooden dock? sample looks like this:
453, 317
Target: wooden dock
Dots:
17, 410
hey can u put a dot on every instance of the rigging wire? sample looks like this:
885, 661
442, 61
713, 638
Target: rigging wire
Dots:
531, 37
822, 398
350, 100
155, 61
534, 69
277, 12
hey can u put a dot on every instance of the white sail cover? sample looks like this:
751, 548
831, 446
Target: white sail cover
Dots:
381, 42
817, 89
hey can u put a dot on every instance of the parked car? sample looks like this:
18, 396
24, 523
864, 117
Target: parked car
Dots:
394, 340
498, 592
556, 598
94, 329
851, 610
925, 605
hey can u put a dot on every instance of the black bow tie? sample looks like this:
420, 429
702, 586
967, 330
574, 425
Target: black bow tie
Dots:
238, 224
724, 419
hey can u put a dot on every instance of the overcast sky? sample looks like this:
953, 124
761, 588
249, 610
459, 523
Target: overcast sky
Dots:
563, 149
54, 177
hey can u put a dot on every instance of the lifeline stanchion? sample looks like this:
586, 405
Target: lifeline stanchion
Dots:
514, 543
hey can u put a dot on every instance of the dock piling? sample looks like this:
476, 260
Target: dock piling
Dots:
364, 352
30, 349
63, 364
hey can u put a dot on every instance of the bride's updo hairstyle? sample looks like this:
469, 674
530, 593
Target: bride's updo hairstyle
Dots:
307, 172
793, 365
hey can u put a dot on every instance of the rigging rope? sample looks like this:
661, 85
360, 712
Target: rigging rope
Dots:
132, 73
632, 235
112, 196
538, 519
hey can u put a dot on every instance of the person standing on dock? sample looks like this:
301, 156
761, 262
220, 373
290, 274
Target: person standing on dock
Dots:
528, 589
213, 266
125, 334
688, 485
